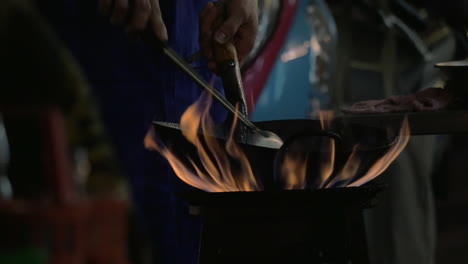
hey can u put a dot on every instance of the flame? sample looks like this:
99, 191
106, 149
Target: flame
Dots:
294, 167
327, 164
349, 170
294, 171
178, 167
217, 173
326, 119
226, 168
351, 167
384, 162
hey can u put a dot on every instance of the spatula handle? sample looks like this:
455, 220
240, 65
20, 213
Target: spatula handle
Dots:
228, 67
229, 71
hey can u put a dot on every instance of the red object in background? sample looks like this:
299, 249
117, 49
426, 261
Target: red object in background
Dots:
72, 230
108, 228
57, 156
54, 151
66, 226
256, 76
88, 232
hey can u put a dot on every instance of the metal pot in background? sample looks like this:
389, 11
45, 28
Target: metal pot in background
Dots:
456, 80
6, 191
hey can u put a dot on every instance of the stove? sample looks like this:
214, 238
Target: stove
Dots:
303, 226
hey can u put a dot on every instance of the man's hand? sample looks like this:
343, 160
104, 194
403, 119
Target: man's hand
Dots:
135, 15
240, 26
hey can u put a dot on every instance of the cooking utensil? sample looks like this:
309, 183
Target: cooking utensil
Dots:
257, 136
229, 70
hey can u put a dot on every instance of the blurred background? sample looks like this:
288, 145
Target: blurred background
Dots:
63, 172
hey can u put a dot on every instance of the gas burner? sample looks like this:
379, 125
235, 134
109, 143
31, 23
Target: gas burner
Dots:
306, 226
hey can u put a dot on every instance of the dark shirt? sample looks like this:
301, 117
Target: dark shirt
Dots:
135, 85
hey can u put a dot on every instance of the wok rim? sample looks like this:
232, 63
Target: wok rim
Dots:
264, 125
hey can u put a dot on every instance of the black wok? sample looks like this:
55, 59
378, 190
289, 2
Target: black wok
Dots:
304, 136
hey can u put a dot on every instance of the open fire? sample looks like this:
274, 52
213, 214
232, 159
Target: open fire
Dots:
226, 168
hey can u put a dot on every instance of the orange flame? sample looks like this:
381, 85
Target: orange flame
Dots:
217, 173
294, 168
384, 162
294, 171
349, 170
325, 118
327, 161
227, 168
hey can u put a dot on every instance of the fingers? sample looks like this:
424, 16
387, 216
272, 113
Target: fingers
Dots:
229, 28
207, 19
141, 15
247, 33
157, 22
245, 39
119, 13
240, 26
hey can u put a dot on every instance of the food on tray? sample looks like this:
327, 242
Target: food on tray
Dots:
431, 99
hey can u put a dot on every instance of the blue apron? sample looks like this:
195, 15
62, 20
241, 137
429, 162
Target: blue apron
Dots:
134, 85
